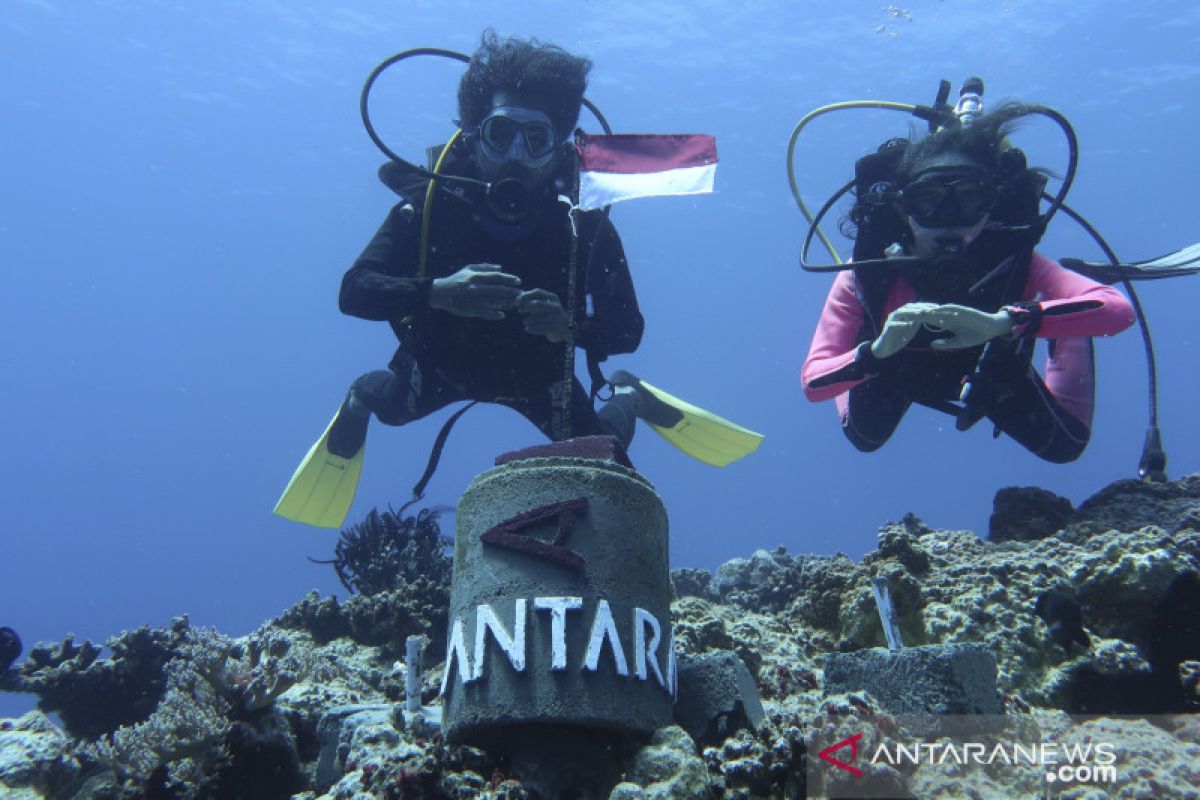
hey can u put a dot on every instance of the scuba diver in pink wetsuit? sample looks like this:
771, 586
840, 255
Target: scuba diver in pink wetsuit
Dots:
947, 297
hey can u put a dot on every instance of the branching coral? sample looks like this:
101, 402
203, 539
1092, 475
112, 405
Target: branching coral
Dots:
95, 696
255, 678
216, 693
184, 737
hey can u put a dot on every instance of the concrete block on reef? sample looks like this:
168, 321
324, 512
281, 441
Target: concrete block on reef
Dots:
560, 604
717, 696
347, 730
928, 685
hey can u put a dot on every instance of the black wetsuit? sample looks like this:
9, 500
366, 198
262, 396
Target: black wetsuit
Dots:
443, 357
1009, 392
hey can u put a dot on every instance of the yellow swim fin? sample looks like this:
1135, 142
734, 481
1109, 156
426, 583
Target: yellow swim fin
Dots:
322, 488
699, 433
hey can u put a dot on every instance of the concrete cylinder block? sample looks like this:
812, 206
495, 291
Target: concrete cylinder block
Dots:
560, 603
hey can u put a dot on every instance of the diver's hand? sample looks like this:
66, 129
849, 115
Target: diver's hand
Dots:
902, 325
476, 290
544, 315
968, 326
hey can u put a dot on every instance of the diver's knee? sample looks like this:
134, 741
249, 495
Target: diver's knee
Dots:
375, 383
862, 444
1067, 445
1064, 453
618, 418
855, 433
382, 393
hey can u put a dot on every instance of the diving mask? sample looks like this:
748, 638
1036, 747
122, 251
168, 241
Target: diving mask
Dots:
515, 134
945, 201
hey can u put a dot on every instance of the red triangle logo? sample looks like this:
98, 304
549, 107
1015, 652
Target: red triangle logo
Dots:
852, 742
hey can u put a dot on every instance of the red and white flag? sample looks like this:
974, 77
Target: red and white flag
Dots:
624, 166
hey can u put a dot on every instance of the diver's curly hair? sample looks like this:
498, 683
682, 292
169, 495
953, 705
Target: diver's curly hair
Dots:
545, 71
984, 142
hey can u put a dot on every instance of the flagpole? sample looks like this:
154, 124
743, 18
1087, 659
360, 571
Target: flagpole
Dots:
567, 393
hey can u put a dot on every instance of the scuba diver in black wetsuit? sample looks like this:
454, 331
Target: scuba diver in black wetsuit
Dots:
490, 292
477, 299
489, 323
491, 274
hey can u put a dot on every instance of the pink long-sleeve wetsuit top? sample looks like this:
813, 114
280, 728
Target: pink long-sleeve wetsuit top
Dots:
1072, 306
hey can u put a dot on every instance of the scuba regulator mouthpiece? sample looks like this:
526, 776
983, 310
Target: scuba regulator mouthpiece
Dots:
510, 200
947, 241
970, 101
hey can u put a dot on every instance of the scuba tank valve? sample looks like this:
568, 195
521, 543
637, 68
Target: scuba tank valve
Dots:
970, 101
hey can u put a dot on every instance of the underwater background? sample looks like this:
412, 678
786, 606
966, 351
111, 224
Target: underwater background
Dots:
184, 185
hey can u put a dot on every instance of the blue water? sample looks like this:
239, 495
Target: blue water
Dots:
184, 184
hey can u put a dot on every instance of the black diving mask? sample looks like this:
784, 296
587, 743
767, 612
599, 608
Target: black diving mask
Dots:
938, 202
516, 151
522, 135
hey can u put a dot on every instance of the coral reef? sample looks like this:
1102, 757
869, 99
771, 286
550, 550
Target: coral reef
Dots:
769, 764
668, 768
96, 696
179, 710
1131, 505
692, 582
400, 571
310, 705
1026, 513
34, 756
384, 620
